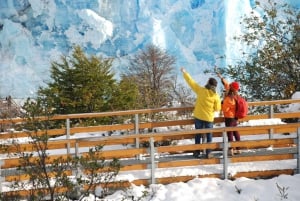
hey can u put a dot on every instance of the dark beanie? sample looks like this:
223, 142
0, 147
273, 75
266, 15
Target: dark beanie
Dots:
213, 81
211, 84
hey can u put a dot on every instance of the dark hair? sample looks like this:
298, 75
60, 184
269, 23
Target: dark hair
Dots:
232, 92
212, 81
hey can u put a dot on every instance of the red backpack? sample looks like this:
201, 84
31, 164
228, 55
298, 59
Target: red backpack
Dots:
241, 107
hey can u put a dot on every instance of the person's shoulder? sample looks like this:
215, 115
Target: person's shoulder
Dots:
216, 95
236, 96
226, 98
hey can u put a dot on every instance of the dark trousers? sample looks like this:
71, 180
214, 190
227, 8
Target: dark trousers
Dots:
232, 122
199, 138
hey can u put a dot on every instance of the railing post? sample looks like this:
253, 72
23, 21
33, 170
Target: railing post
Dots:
76, 149
152, 159
136, 130
2, 179
225, 155
271, 115
68, 134
298, 150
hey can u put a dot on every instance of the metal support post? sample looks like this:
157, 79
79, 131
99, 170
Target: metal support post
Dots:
298, 150
225, 155
77, 149
2, 179
68, 134
136, 130
271, 115
152, 158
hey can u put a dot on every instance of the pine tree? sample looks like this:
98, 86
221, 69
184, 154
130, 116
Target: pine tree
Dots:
82, 84
126, 94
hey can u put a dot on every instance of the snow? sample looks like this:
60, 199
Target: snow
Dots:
261, 122
294, 106
209, 189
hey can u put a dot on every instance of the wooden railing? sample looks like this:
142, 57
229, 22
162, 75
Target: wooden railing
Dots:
284, 139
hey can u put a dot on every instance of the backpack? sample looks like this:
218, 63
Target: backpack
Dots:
241, 107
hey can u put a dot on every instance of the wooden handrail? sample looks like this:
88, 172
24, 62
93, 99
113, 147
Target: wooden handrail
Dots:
142, 111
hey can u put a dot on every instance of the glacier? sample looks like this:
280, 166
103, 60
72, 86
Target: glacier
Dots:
33, 33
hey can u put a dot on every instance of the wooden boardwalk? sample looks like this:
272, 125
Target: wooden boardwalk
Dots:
152, 158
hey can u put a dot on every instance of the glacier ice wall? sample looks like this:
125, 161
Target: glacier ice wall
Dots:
35, 32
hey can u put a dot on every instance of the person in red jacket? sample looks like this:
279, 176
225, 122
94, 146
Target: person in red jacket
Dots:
207, 103
229, 108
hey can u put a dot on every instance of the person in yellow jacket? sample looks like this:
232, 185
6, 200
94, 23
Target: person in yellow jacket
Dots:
229, 108
207, 103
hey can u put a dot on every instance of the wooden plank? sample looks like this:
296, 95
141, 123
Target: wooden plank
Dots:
22, 177
121, 153
238, 159
285, 130
16, 134
139, 182
26, 193
101, 128
262, 143
168, 180
29, 147
274, 102
90, 143
15, 162
263, 174
189, 147
134, 167
287, 115
192, 162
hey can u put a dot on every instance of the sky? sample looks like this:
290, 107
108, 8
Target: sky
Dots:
283, 187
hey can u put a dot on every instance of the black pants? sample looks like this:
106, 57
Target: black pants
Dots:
232, 122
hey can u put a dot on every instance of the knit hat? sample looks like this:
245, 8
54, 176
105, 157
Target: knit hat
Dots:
211, 84
235, 86
212, 81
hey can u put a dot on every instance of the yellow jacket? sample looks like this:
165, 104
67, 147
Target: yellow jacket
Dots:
207, 102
